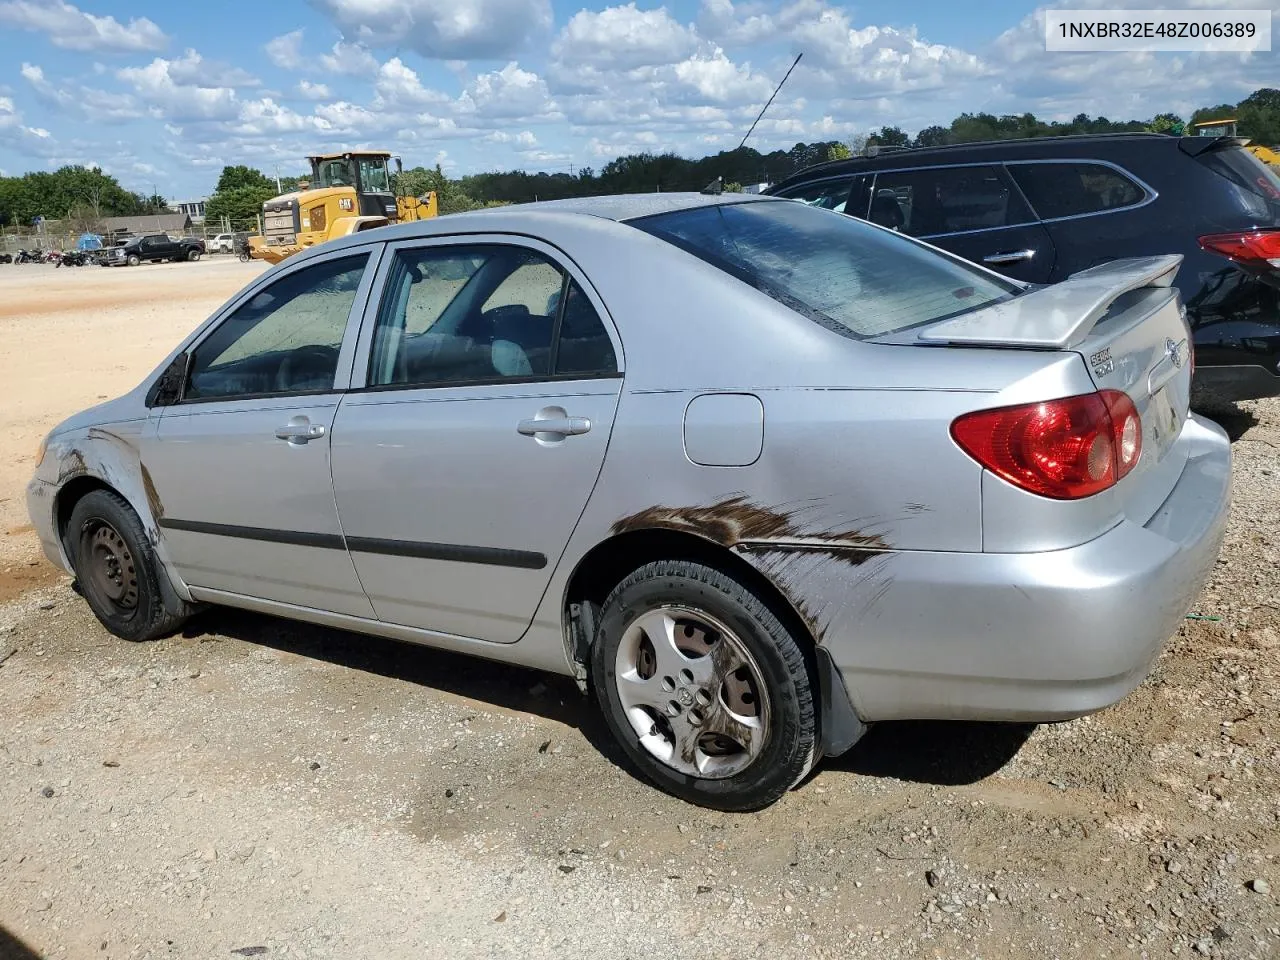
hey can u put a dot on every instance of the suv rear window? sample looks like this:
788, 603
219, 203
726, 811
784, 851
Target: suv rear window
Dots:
1244, 170
836, 270
1073, 189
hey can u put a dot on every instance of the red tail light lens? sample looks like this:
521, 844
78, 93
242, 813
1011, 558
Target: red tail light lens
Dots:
1065, 449
1255, 248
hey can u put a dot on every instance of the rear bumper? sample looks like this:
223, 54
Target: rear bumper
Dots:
1036, 636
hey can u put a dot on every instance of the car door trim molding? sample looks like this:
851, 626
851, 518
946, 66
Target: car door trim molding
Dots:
452, 552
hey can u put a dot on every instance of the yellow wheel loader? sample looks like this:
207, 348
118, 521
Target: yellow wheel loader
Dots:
347, 193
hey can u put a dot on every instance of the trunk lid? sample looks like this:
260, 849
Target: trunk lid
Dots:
1127, 322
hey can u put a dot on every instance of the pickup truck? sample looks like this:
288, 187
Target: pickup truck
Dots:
155, 247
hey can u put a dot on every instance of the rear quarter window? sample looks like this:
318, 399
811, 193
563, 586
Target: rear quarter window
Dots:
838, 271
1057, 190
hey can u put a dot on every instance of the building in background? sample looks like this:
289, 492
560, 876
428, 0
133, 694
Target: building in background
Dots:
192, 208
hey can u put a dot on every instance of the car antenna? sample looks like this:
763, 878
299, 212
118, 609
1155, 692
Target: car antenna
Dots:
766, 106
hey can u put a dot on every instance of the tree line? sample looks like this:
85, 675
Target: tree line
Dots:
85, 195
80, 196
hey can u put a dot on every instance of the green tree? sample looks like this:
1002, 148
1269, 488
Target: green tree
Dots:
237, 177
1169, 123
241, 205
933, 137
837, 151
890, 137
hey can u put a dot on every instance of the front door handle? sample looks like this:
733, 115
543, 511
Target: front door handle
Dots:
1009, 256
300, 430
553, 427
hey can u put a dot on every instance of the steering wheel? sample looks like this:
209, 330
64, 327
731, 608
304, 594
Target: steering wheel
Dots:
306, 360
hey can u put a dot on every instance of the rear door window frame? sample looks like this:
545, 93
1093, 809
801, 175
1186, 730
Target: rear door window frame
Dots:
361, 361
996, 165
1149, 192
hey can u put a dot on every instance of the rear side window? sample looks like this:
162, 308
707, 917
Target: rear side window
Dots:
1074, 189
837, 271
942, 200
828, 194
1244, 170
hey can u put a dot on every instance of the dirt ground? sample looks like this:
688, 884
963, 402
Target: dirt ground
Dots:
253, 787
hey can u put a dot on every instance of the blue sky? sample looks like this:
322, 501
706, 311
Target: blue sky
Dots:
164, 94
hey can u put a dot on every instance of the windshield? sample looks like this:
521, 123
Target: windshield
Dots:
849, 276
334, 173
373, 175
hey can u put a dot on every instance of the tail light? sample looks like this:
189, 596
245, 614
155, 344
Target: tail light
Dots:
1256, 248
1064, 449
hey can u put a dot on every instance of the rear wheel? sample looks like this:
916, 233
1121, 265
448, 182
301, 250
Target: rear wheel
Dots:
116, 568
704, 688
193, 255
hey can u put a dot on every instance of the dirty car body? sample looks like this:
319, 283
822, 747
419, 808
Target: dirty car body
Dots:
655, 379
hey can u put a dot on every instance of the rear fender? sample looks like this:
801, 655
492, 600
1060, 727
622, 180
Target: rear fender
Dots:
345, 226
110, 455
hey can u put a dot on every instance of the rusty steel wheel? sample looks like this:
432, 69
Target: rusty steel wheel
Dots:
110, 569
692, 692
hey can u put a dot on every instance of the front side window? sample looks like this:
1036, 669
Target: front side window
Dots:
285, 340
828, 194
941, 200
1073, 189
470, 314
373, 176
837, 271
335, 173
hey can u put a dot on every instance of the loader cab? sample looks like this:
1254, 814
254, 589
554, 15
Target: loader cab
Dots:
365, 173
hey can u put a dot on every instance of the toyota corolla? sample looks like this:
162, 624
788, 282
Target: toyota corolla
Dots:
756, 474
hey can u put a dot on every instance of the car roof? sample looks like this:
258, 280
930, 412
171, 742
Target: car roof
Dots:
630, 206
1076, 145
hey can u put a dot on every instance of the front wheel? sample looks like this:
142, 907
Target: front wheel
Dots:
133, 260
193, 255
704, 688
116, 568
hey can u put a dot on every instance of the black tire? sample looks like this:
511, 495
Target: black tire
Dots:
132, 260
790, 745
193, 255
102, 522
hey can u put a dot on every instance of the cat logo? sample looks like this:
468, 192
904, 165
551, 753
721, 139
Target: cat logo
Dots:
346, 203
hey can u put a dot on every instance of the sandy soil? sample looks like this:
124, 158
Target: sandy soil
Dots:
252, 787
70, 337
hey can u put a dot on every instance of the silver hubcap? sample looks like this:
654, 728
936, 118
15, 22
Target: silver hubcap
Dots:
692, 692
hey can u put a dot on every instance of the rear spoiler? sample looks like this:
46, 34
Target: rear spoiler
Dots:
1194, 146
1058, 316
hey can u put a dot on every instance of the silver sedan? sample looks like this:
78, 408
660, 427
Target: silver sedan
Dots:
754, 473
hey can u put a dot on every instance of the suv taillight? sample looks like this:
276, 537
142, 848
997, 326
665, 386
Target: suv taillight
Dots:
1256, 248
1065, 449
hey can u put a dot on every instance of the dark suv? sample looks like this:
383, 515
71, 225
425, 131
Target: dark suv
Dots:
1039, 210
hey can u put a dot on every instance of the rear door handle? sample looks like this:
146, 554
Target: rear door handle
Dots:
554, 426
1009, 256
300, 430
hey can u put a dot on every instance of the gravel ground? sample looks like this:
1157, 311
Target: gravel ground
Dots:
253, 787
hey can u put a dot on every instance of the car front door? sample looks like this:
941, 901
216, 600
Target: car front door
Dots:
240, 465
975, 211
463, 466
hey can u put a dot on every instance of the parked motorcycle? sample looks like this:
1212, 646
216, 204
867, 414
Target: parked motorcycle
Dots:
6, 258
27, 256
53, 256
243, 251
73, 258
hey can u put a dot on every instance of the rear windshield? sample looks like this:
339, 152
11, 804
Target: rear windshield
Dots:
843, 273
1244, 170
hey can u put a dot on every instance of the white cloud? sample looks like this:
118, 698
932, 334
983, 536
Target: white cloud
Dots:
179, 102
442, 29
350, 59
191, 69
285, 51
620, 38
508, 93
399, 86
69, 27
713, 76
312, 91
85, 103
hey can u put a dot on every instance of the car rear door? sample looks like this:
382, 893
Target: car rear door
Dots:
491, 377
972, 210
240, 466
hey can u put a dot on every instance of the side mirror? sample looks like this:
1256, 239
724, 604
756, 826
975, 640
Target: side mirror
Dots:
167, 390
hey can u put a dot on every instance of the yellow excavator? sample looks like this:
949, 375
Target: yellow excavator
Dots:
347, 193
1227, 128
